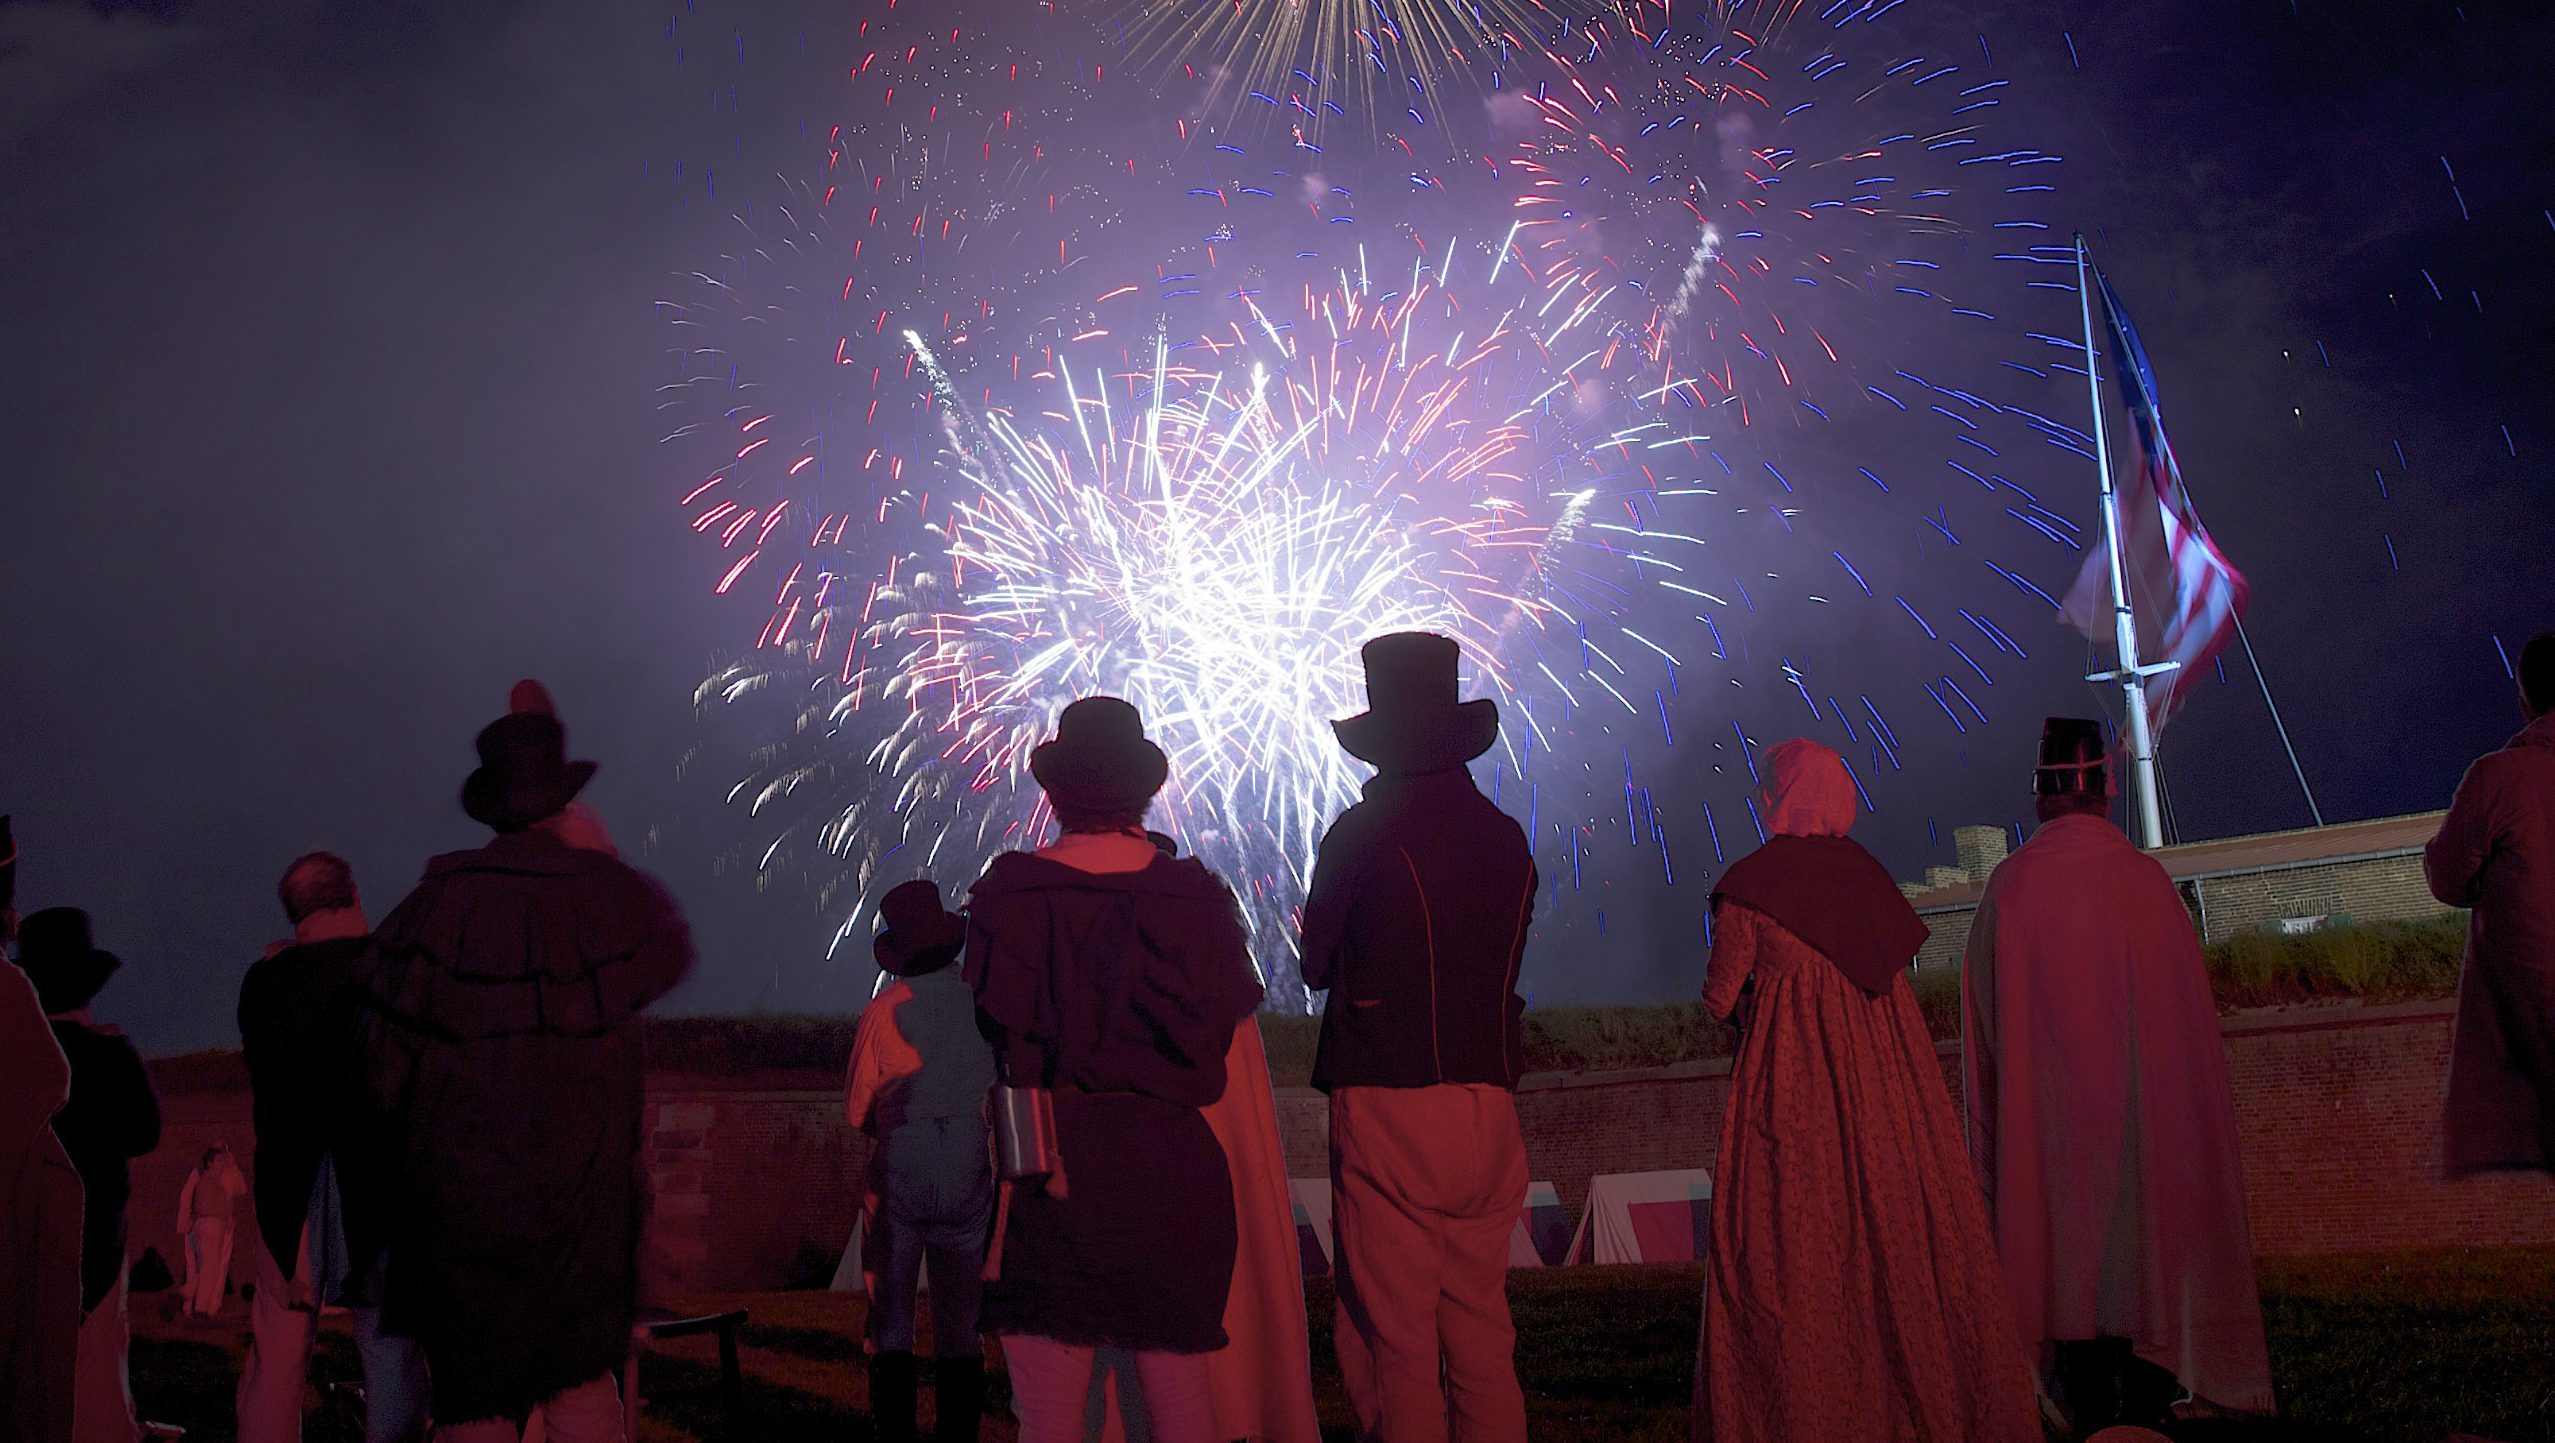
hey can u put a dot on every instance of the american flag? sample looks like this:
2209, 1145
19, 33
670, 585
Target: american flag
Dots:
2185, 594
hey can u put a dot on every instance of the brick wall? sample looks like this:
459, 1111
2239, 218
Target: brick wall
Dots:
756, 1181
2372, 889
2375, 889
1946, 938
2337, 1111
752, 1188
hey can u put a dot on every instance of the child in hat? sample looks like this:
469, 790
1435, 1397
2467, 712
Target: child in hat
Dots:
919, 1074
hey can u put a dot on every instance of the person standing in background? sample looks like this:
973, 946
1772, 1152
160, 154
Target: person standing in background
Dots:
2495, 853
1416, 926
40, 1204
321, 1202
206, 1206
919, 1075
112, 1117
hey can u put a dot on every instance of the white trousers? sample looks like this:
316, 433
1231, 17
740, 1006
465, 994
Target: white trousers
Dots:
208, 1265
283, 1322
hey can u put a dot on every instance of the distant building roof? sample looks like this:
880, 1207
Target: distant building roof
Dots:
2262, 852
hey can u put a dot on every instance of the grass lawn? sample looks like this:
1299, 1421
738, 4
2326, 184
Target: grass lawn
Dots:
2399, 1348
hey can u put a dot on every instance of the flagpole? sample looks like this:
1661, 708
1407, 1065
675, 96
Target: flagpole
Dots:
2124, 624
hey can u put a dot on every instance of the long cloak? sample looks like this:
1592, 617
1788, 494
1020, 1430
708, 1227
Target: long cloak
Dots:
40, 1219
2100, 1118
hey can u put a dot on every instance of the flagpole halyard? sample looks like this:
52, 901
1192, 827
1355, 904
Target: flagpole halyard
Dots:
2131, 676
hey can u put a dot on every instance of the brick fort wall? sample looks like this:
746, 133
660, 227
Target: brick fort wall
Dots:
756, 1181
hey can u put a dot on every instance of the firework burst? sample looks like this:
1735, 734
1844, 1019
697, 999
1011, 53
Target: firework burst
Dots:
1638, 401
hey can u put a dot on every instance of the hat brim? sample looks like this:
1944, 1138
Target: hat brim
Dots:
2078, 779
898, 957
1092, 780
1424, 741
512, 809
69, 983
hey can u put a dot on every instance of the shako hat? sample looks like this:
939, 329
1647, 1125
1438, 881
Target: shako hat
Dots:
524, 773
2073, 759
1413, 721
60, 957
917, 934
1099, 759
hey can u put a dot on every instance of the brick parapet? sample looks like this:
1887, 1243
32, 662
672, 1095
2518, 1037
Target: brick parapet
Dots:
2337, 1108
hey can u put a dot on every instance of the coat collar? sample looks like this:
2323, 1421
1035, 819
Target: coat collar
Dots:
2539, 733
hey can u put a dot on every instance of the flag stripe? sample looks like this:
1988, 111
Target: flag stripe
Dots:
2184, 593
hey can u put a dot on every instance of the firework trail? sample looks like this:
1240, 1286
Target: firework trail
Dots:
1399, 65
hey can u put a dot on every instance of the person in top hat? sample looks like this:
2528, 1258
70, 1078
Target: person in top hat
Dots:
919, 1074
1852, 1289
1416, 926
1112, 977
500, 1032
2100, 1119
2495, 854
112, 1117
40, 1204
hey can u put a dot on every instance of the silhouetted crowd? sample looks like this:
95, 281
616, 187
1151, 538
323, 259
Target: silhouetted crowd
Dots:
1076, 1141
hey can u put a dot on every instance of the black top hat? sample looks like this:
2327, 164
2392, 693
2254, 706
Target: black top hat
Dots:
524, 773
919, 935
58, 955
1099, 760
1412, 721
2074, 761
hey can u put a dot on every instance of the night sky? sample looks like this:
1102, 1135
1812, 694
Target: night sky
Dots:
332, 341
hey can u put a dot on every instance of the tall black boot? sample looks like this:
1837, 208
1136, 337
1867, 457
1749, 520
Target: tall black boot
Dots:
893, 1383
958, 1394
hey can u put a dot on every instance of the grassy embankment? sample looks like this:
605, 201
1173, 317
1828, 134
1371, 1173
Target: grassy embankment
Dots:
2374, 963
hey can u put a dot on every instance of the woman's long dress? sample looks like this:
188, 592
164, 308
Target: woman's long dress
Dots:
1853, 1290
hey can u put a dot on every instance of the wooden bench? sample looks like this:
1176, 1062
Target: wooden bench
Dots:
666, 1327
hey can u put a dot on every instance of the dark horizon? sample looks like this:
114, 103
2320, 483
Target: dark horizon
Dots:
333, 412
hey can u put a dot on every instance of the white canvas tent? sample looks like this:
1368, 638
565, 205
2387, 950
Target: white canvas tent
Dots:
1645, 1217
1542, 1238
847, 1273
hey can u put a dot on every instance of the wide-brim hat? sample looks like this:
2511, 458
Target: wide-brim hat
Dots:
58, 954
2074, 759
524, 774
918, 934
1413, 721
1099, 759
